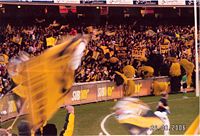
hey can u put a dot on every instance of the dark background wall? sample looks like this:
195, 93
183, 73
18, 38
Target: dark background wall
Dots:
91, 15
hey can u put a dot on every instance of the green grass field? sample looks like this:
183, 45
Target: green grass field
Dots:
89, 116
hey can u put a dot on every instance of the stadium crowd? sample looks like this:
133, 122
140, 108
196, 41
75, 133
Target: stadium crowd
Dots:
110, 49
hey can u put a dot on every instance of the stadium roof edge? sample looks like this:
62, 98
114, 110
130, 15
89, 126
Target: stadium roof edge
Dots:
94, 5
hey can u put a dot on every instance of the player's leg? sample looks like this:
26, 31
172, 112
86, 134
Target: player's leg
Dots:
164, 118
166, 126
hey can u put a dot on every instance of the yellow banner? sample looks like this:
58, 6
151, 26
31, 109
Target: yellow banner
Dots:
138, 52
164, 49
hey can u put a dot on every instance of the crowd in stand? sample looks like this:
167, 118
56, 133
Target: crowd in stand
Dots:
98, 65
110, 49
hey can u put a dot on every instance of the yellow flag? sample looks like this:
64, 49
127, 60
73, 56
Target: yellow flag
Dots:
113, 60
20, 41
177, 35
20, 90
110, 33
189, 67
166, 41
148, 69
150, 32
189, 43
105, 49
17, 40
90, 29
189, 52
130, 88
51, 41
159, 87
111, 53
48, 78
3, 59
95, 55
175, 69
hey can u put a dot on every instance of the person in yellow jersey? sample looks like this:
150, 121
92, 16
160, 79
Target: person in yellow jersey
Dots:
68, 128
24, 128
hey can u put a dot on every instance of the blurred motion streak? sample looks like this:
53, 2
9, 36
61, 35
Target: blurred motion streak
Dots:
46, 79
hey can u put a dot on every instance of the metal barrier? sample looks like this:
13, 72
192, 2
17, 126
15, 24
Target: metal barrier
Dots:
105, 90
